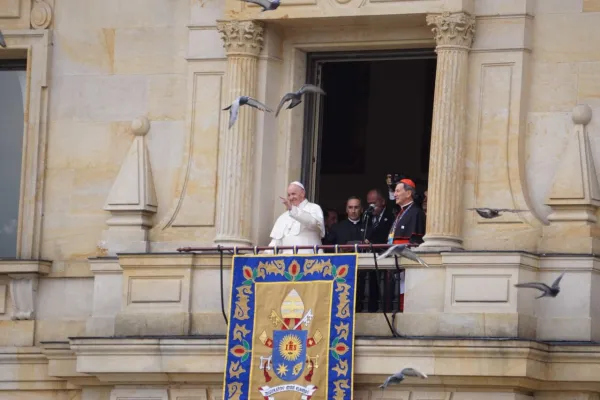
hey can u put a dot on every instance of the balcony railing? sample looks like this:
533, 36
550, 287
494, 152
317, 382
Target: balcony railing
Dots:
377, 291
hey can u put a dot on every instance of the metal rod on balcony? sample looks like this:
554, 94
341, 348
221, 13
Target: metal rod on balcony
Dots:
255, 249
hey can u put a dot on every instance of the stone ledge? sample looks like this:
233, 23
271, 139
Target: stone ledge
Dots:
511, 363
105, 265
17, 266
26, 368
155, 260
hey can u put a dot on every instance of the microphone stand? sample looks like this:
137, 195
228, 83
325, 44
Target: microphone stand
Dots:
366, 215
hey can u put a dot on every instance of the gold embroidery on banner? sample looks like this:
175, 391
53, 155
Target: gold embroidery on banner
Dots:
339, 389
276, 267
341, 368
342, 327
241, 305
235, 369
343, 309
235, 390
240, 331
313, 266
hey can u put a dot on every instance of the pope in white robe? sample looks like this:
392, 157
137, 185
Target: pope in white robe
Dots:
301, 225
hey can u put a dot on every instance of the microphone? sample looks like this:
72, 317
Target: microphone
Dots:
370, 209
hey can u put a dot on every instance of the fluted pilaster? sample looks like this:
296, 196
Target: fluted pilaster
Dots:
454, 34
243, 42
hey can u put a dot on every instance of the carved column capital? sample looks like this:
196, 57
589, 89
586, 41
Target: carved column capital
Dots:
242, 37
453, 30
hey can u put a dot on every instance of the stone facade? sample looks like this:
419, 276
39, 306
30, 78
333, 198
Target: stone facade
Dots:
127, 157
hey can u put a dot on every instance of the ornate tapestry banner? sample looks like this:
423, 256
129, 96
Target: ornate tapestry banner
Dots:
291, 327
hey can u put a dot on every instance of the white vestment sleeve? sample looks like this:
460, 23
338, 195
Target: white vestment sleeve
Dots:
311, 220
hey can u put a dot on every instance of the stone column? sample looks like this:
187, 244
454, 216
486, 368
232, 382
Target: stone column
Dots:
243, 41
454, 34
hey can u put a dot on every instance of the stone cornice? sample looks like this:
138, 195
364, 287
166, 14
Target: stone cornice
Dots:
456, 30
242, 37
22, 355
505, 360
17, 266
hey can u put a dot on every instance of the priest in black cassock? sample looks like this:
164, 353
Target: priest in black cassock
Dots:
349, 231
409, 225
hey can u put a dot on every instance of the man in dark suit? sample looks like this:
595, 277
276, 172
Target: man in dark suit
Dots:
331, 218
379, 223
381, 218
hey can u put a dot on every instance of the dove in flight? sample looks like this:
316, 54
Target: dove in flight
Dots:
2, 42
240, 101
401, 250
399, 376
547, 291
493, 212
265, 4
296, 97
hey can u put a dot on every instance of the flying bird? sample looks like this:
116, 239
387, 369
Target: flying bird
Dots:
241, 101
547, 291
296, 97
265, 4
493, 212
2, 42
399, 376
401, 250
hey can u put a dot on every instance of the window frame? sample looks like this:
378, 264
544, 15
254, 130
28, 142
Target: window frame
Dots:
34, 46
313, 111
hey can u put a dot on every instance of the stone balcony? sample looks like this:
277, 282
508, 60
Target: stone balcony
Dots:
157, 320
461, 294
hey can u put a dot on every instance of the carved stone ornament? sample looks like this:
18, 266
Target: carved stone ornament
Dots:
453, 30
243, 37
41, 14
23, 289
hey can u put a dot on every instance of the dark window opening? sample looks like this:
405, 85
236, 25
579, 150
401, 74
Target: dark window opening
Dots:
374, 120
12, 110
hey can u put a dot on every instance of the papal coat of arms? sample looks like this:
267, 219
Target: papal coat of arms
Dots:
291, 328
289, 345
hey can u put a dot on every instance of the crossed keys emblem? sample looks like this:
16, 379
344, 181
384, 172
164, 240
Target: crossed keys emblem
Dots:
276, 320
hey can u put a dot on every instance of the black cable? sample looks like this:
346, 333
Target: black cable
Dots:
379, 292
222, 301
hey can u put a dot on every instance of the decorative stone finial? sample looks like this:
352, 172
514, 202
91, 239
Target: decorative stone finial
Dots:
242, 37
140, 126
575, 194
132, 198
453, 30
582, 114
